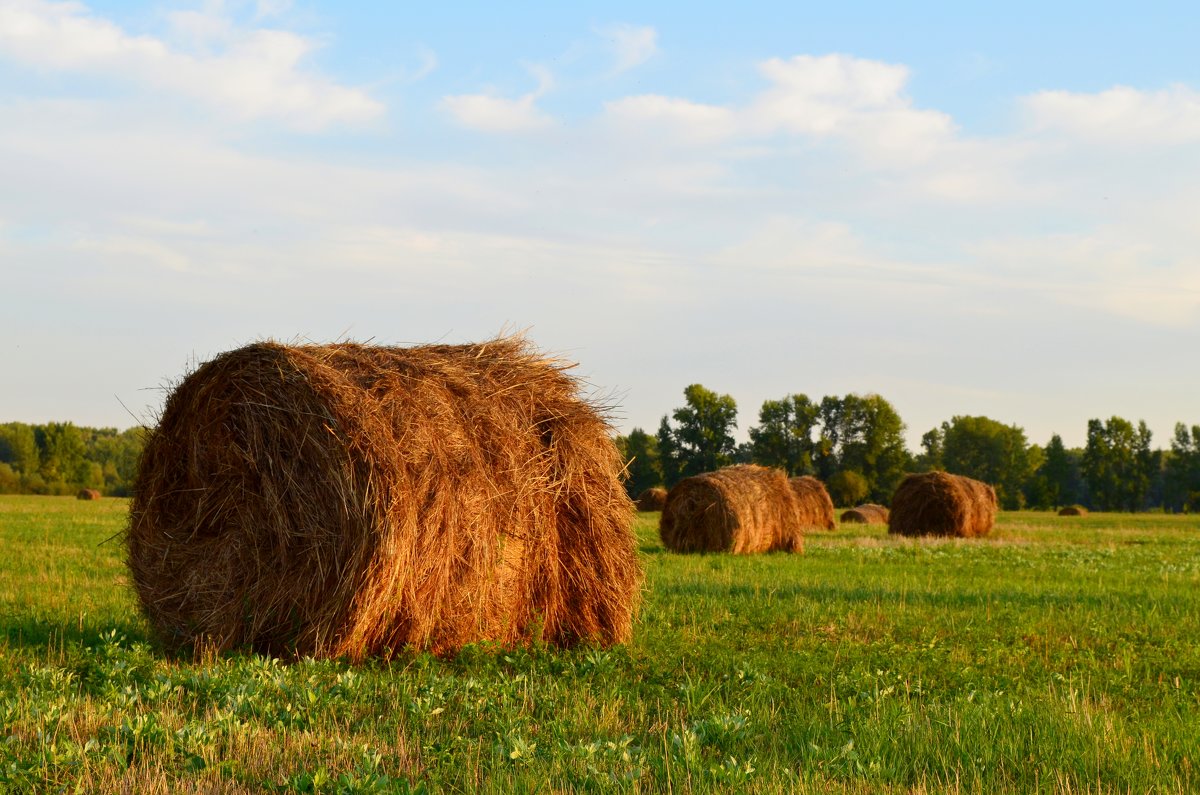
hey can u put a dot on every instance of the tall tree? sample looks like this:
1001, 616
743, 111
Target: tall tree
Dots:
701, 440
1118, 464
1182, 475
60, 445
930, 458
783, 436
863, 434
18, 447
644, 469
1057, 479
987, 450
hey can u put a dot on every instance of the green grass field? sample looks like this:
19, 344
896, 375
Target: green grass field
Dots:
1059, 655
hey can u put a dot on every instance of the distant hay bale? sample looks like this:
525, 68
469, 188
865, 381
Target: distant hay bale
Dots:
941, 504
813, 502
739, 509
1073, 510
88, 494
868, 513
652, 499
353, 500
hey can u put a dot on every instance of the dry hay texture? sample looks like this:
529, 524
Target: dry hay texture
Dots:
740, 509
353, 500
868, 513
88, 494
1073, 510
941, 504
813, 502
652, 499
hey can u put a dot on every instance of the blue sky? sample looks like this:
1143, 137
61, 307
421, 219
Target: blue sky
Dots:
968, 209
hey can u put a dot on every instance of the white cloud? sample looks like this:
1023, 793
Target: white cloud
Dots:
496, 114
1120, 115
256, 73
1136, 270
264, 9
144, 249
632, 45
681, 118
857, 101
816, 94
491, 113
833, 252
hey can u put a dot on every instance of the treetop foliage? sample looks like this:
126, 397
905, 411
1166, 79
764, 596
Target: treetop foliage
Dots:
62, 458
855, 444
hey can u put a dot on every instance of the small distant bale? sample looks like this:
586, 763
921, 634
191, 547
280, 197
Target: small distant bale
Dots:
652, 499
88, 494
356, 500
941, 504
868, 513
813, 502
741, 509
1073, 510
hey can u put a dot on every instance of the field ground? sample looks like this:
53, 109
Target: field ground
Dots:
1059, 655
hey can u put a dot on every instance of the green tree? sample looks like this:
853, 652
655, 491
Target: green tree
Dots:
862, 433
783, 436
61, 448
1182, 475
987, 450
701, 440
1056, 481
10, 481
643, 470
847, 488
1118, 464
18, 448
930, 458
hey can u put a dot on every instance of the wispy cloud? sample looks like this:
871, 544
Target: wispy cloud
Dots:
632, 45
246, 73
492, 113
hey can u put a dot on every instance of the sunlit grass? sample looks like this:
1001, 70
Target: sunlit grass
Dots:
1058, 655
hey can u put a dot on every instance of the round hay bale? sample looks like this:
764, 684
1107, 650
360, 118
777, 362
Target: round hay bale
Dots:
813, 502
652, 499
88, 494
941, 504
868, 513
352, 500
739, 509
1073, 510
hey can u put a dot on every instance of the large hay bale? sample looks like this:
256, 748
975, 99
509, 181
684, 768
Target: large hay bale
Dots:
739, 509
1073, 510
351, 500
88, 494
813, 502
941, 504
652, 499
868, 513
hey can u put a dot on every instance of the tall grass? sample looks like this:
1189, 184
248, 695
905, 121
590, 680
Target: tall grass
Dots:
1058, 655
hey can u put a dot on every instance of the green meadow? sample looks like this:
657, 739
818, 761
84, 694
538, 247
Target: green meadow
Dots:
1057, 655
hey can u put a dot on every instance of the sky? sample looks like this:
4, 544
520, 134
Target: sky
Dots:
970, 209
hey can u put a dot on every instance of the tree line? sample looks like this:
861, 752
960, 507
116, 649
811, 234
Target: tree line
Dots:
855, 444
62, 458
